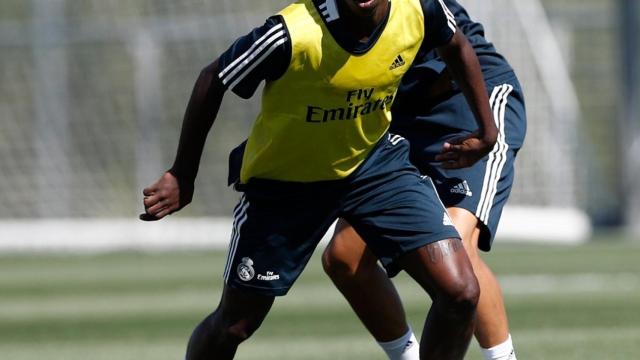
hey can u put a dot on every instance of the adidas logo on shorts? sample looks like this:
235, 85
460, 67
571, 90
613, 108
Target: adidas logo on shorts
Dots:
462, 188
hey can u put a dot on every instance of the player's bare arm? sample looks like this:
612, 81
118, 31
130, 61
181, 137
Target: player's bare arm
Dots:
464, 67
174, 189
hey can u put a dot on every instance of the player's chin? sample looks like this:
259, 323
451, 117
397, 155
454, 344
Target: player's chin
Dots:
364, 7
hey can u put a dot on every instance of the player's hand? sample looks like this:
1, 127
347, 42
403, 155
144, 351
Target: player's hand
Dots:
464, 151
161, 198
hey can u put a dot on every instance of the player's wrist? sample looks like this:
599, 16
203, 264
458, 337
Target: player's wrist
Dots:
489, 136
186, 186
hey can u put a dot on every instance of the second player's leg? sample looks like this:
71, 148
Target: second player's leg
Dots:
442, 269
354, 270
492, 326
237, 317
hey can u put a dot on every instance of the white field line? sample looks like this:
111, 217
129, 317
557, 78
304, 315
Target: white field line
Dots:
599, 334
548, 285
570, 283
520, 224
302, 297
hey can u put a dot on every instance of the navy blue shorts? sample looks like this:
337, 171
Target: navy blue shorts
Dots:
277, 225
482, 189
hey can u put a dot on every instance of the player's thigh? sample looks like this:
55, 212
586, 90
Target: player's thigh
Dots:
347, 251
442, 268
467, 225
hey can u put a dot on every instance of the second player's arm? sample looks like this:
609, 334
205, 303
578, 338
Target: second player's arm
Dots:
174, 189
464, 67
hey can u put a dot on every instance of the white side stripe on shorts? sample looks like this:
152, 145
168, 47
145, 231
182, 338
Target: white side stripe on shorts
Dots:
240, 216
487, 174
236, 210
491, 173
498, 156
246, 62
501, 157
436, 192
395, 139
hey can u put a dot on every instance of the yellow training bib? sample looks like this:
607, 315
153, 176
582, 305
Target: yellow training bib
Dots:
321, 119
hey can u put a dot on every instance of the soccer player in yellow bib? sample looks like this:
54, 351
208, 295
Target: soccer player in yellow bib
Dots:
320, 149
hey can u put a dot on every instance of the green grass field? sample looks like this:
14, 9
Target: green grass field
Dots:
563, 302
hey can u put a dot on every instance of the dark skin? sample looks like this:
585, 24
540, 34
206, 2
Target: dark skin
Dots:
442, 269
449, 281
164, 196
462, 62
362, 20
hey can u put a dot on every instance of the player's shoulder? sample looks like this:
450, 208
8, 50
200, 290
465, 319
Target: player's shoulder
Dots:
303, 21
419, 6
302, 12
424, 4
297, 7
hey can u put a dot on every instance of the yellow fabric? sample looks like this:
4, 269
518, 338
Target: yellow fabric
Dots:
321, 119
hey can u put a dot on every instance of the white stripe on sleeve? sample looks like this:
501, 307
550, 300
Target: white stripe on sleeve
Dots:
451, 20
257, 62
250, 50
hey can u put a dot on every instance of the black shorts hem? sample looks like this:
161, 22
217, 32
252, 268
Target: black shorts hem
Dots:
485, 239
261, 290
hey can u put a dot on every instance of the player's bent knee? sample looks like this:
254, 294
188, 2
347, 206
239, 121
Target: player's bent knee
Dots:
233, 326
236, 333
337, 266
342, 266
462, 296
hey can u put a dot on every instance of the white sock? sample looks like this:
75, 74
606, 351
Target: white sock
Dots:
502, 351
404, 348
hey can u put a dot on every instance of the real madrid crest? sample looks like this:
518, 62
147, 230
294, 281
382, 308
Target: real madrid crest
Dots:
245, 270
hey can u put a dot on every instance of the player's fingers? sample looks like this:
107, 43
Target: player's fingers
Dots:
448, 156
159, 206
458, 140
462, 162
151, 200
164, 212
456, 147
148, 191
157, 213
452, 165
